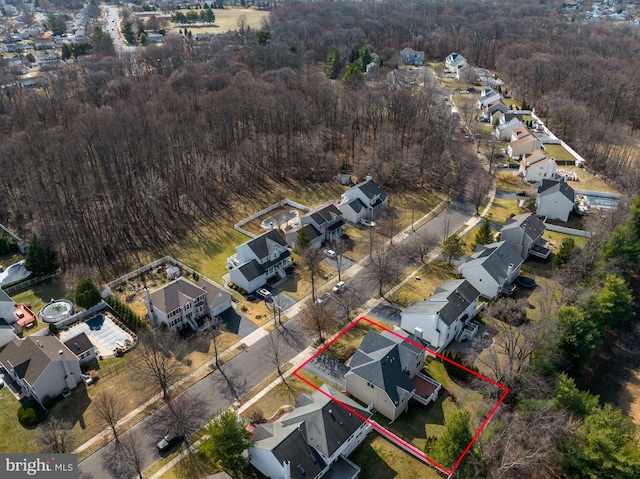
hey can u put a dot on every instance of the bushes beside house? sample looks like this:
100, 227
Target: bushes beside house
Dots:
30, 414
237, 288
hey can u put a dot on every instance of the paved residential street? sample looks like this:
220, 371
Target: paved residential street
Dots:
248, 369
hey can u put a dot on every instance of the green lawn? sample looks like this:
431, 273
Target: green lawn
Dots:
586, 181
503, 208
558, 152
41, 293
13, 436
380, 459
431, 276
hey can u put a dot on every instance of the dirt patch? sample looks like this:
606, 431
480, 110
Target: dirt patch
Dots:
614, 373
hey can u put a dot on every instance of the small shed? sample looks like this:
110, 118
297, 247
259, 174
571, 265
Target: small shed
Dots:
173, 273
345, 179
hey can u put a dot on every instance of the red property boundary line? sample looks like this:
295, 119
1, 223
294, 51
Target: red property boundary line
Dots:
390, 436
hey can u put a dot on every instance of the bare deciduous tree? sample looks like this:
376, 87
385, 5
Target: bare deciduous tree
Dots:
383, 265
110, 408
421, 244
316, 319
183, 415
55, 436
157, 359
310, 258
129, 454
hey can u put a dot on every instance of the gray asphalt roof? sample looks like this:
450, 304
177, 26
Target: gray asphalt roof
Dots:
31, 356
370, 189
356, 205
171, 296
548, 187
495, 258
449, 300
530, 222
324, 215
79, 344
265, 244
216, 296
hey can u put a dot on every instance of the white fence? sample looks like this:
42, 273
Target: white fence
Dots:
239, 225
568, 231
101, 306
149, 267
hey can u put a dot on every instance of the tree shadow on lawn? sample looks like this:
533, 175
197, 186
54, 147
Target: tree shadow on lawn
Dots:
413, 425
372, 463
73, 408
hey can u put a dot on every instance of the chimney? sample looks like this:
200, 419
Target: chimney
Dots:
271, 226
149, 306
369, 178
510, 270
286, 465
64, 363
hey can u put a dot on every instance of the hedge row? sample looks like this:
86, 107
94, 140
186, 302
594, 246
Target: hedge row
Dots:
126, 313
237, 288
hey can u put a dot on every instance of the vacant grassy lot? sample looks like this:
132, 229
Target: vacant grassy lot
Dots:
503, 208
227, 20
509, 181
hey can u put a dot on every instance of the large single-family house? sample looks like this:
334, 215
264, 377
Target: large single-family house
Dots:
41, 366
503, 132
260, 259
181, 303
537, 166
312, 441
524, 234
492, 269
488, 95
83, 348
526, 144
321, 225
385, 373
494, 107
362, 201
445, 316
412, 57
555, 200
454, 61
178, 304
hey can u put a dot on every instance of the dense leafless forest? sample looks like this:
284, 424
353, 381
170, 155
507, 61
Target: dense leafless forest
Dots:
122, 154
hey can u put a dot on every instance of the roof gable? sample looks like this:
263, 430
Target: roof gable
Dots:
531, 223
266, 244
550, 187
495, 259
174, 294
31, 356
79, 344
370, 189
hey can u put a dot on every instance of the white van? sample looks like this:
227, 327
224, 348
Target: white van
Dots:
339, 287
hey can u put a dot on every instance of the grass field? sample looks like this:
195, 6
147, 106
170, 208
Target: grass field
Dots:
431, 276
227, 20
558, 152
13, 436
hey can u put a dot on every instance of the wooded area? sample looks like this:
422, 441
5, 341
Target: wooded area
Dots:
119, 155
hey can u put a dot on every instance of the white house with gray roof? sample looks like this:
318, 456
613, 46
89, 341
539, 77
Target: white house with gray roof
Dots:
524, 234
385, 373
320, 225
492, 269
445, 316
177, 304
454, 61
181, 303
503, 132
312, 441
555, 200
41, 366
362, 201
260, 259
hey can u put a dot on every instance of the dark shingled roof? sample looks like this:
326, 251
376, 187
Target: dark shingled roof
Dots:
31, 356
448, 300
356, 205
387, 365
495, 258
370, 189
79, 344
324, 215
264, 245
548, 187
252, 269
530, 222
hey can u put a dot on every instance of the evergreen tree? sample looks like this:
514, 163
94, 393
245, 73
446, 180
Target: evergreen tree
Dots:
40, 259
228, 439
565, 252
365, 57
453, 248
448, 448
303, 239
87, 295
483, 235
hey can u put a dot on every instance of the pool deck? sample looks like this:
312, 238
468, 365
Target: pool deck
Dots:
104, 333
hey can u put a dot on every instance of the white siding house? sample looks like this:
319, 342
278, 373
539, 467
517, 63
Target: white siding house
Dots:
524, 234
492, 269
177, 304
442, 318
41, 366
555, 200
362, 201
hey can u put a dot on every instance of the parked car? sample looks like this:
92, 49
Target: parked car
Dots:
330, 253
265, 293
521, 193
168, 442
87, 380
367, 222
323, 298
340, 285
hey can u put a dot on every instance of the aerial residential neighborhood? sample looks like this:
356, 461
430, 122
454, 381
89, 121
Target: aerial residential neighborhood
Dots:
319, 240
